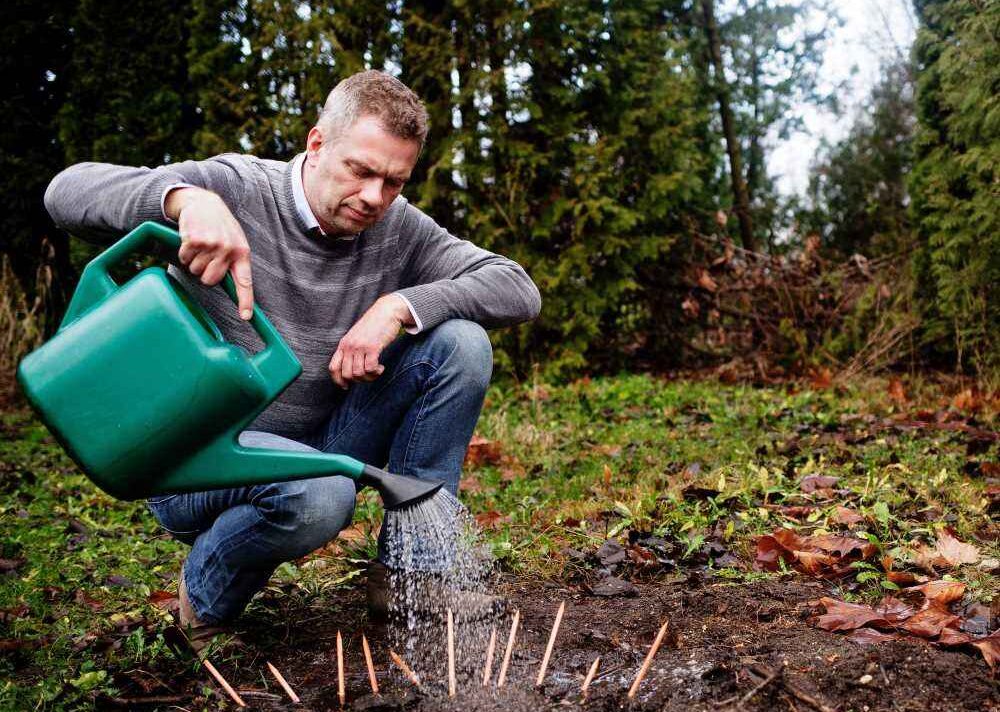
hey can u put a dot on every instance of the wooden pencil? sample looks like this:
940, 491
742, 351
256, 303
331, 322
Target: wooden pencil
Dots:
590, 676
284, 683
222, 681
648, 661
371, 666
341, 688
510, 648
405, 668
490, 649
552, 642
451, 655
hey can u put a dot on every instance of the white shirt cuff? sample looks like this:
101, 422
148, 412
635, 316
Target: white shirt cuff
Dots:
163, 198
416, 319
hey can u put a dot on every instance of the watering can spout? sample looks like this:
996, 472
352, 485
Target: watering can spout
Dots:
398, 491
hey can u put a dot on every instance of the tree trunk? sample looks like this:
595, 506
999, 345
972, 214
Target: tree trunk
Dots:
740, 196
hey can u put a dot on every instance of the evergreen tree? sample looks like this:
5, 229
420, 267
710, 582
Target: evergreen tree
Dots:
955, 179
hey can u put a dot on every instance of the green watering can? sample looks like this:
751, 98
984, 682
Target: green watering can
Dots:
147, 397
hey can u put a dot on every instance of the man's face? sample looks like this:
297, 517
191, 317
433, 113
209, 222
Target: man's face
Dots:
351, 181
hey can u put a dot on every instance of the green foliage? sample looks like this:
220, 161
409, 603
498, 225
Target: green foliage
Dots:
858, 189
955, 179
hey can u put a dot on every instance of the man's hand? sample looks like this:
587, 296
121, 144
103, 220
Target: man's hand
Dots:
357, 353
212, 241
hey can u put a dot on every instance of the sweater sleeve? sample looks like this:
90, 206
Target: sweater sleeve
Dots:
448, 278
100, 202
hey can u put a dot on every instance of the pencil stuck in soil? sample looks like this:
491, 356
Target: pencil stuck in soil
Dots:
590, 676
405, 668
451, 655
341, 689
648, 661
552, 642
225, 685
371, 666
284, 683
488, 666
510, 648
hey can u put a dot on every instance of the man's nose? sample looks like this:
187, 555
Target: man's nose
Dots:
371, 193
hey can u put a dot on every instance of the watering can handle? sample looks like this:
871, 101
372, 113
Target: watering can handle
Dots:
276, 362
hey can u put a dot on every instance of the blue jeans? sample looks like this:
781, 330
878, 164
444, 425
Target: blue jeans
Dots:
418, 417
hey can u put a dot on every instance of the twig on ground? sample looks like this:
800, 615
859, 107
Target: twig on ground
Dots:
590, 676
341, 689
284, 683
488, 666
222, 681
510, 647
795, 691
371, 666
768, 679
405, 668
552, 642
451, 655
648, 661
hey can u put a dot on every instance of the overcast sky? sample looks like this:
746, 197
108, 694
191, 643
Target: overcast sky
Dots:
873, 31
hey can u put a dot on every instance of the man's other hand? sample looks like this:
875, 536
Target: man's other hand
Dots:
356, 358
212, 241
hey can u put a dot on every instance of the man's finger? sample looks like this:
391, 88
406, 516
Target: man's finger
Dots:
335, 365
358, 365
215, 271
371, 363
199, 263
244, 286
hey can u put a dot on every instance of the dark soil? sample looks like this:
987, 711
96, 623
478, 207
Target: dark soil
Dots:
724, 641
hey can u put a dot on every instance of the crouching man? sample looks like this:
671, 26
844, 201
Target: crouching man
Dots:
342, 264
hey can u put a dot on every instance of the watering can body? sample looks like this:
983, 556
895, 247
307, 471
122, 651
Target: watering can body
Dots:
145, 394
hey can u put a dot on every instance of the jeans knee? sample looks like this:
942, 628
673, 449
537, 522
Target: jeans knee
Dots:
306, 514
470, 350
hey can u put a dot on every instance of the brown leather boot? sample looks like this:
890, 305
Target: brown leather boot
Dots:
199, 635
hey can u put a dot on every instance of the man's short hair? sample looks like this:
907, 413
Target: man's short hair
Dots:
374, 93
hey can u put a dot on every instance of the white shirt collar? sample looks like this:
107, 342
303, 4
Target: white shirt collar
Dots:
301, 204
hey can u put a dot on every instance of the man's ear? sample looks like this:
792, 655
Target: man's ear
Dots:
315, 140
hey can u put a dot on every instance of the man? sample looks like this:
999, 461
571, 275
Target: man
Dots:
340, 262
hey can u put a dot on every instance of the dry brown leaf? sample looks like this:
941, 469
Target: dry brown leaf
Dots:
870, 636
846, 516
941, 593
826, 555
990, 648
956, 552
822, 379
706, 282
812, 483
491, 519
896, 391
482, 452
967, 400
841, 615
929, 622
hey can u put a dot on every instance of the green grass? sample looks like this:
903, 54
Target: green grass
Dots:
580, 462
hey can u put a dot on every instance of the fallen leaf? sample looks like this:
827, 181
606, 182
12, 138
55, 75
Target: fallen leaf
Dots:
870, 636
841, 615
950, 637
82, 598
846, 516
822, 379
611, 553
896, 391
941, 593
162, 599
904, 578
706, 282
812, 483
826, 555
490, 519
990, 648
967, 400
482, 452
929, 622
956, 552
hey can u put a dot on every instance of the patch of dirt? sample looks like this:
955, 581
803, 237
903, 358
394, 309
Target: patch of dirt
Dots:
724, 641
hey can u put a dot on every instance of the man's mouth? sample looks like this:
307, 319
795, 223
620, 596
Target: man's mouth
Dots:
358, 216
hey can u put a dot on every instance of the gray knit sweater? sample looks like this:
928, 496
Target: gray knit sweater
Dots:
314, 288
